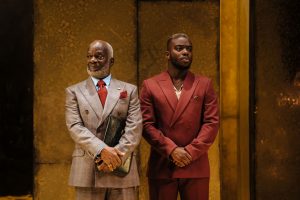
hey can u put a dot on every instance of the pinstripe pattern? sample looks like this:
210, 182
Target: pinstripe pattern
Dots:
106, 194
86, 120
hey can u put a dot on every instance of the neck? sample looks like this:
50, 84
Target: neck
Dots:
177, 74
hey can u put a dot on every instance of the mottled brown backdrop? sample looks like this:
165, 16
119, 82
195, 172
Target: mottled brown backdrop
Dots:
138, 33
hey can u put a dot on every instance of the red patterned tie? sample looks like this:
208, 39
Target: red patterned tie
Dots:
102, 91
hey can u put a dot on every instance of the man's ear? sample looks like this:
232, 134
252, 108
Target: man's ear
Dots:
167, 53
111, 61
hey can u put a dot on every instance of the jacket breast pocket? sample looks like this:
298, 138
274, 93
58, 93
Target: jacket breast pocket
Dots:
78, 153
121, 109
196, 99
123, 101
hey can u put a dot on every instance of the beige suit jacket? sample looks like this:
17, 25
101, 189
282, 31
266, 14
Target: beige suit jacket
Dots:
86, 120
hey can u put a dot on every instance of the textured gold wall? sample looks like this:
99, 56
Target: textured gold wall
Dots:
63, 30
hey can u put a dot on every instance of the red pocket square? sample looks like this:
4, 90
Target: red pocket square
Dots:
123, 94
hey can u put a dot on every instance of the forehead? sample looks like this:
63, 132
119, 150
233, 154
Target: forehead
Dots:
97, 46
181, 41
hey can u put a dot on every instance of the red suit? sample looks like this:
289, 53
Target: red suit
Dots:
192, 122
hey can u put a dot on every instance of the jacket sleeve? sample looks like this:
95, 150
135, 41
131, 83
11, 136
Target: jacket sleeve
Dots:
151, 133
133, 128
210, 125
79, 133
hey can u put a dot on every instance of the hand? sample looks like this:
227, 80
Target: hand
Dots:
104, 168
101, 166
181, 157
111, 157
98, 160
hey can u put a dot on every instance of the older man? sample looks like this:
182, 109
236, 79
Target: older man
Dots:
89, 105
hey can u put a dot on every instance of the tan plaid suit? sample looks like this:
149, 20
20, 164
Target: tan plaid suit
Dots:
86, 120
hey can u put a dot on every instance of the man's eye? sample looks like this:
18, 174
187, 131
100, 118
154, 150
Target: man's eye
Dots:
189, 48
99, 57
178, 48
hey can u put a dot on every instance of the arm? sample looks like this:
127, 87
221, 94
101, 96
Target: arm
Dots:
210, 125
154, 136
79, 133
133, 128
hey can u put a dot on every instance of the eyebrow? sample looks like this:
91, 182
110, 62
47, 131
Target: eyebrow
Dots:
98, 51
183, 45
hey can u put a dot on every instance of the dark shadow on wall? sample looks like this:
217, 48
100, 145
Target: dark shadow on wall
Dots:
16, 101
275, 100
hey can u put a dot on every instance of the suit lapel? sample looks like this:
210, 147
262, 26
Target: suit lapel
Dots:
167, 87
189, 86
90, 93
112, 98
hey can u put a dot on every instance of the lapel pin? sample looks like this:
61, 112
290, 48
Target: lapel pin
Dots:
196, 97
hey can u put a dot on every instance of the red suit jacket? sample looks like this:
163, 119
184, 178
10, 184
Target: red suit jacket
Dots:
191, 122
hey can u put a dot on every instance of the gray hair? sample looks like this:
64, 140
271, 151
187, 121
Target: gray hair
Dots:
107, 45
110, 49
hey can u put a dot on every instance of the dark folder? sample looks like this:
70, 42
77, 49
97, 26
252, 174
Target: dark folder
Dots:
113, 133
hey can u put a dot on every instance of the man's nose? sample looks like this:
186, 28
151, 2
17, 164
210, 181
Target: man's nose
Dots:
93, 59
185, 51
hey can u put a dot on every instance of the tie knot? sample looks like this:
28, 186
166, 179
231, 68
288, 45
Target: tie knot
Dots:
101, 83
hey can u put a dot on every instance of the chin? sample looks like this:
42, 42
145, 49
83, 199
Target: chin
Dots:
186, 66
183, 67
180, 65
99, 73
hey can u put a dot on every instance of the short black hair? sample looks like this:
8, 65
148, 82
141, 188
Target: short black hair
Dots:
175, 36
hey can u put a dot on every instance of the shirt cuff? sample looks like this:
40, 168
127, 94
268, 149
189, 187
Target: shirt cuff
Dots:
98, 152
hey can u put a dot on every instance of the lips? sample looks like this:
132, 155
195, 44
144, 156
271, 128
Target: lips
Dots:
185, 59
93, 67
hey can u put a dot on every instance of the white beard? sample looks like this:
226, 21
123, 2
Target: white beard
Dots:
100, 74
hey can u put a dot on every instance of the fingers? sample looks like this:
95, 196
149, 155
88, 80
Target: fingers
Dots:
109, 160
114, 161
98, 162
186, 158
120, 153
188, 155
181, 157
100, 167
104, 168
178, 163
110, 167
111, 157
181, 162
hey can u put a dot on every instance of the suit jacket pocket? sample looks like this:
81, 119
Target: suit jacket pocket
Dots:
123, 101
196, 99
78, 153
